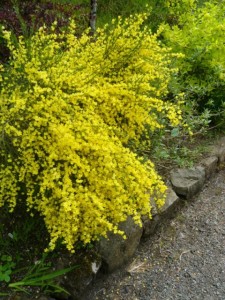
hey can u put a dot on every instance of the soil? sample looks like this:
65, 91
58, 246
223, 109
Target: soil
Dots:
185, 259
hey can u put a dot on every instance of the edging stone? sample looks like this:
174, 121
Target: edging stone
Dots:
77, 281
219, 150
188, 182
116, 251
150, 225
210, 165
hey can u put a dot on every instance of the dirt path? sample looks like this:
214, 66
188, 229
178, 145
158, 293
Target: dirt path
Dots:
184, 260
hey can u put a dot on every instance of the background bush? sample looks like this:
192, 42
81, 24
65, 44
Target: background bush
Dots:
25, 17
199, 35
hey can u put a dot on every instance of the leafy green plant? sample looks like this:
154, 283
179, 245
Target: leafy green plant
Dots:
199, 35
15, 273
6, 267
41, 275
161, 11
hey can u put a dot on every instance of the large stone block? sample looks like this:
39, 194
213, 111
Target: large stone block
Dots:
170, 202
150, 225
219, 150
86, 263
210, 164
116, 251
187, 182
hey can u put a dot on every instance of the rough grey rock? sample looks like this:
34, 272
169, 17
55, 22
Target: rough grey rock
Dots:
116, 251
219, 150
187, 182
154, 210
210, 164
77, 281
171, 200
150, 225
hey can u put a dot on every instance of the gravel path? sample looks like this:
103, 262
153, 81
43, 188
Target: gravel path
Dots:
184, 260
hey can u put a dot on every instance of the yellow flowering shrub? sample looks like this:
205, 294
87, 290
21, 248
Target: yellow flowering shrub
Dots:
69, 107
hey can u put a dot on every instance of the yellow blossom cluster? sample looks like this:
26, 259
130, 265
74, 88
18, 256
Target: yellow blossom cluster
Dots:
69, 107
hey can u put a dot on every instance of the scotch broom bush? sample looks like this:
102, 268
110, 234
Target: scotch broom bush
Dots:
69, 108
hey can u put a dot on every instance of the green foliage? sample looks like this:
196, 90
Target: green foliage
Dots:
199, 35
161, 10
18, 229
41, 275
6, 267
108, 10
168, 11
22, 239
176, 149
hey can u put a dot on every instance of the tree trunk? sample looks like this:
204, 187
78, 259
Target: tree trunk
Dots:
92, 18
